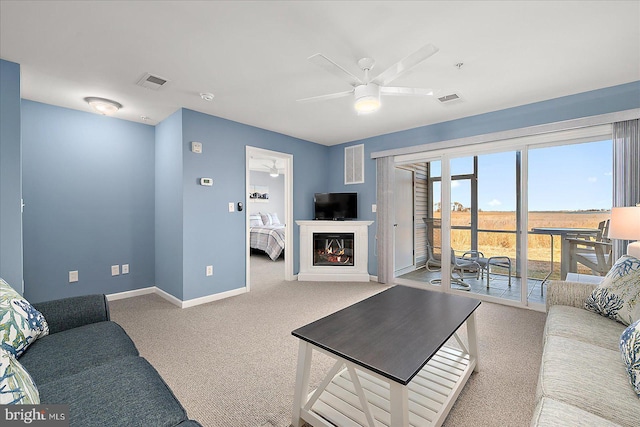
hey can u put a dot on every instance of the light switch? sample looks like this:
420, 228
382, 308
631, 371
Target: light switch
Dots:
232, 207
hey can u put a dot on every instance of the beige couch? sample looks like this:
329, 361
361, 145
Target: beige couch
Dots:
582, 381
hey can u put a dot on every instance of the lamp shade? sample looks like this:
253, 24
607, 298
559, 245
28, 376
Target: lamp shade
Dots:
625, 223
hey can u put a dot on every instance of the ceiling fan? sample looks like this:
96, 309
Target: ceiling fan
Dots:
367, 91
273, 170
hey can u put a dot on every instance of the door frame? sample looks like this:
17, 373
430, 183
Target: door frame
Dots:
288, 210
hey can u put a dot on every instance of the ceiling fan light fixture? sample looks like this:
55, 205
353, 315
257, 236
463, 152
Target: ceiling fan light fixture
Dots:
367, 98
103, 106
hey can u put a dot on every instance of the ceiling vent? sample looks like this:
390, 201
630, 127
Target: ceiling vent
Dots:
449, 98
151, 82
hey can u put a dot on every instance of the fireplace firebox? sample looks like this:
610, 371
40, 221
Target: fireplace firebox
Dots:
333, 249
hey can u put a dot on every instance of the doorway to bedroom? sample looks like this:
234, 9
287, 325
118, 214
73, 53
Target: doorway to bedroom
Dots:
268, 212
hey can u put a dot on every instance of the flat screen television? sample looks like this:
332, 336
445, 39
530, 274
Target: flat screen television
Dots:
335, 206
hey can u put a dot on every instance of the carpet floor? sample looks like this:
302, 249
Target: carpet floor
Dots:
232, 362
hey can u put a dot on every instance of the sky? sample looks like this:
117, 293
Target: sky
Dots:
567, 177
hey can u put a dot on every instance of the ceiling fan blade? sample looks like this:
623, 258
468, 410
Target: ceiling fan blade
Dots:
333, 68
402, 66
405, 91
325, 97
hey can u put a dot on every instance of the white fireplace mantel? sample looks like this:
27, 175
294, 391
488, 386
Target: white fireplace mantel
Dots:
356, 273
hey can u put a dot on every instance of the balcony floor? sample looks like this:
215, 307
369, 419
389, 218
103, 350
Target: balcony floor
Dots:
498, 285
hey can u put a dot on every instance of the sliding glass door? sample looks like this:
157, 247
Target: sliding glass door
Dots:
570, 193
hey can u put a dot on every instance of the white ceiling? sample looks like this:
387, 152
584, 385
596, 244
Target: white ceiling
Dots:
253, 56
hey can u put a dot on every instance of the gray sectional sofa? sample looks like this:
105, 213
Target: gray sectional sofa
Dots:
582, 379
89, 363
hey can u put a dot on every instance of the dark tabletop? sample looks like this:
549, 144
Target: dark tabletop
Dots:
393, 333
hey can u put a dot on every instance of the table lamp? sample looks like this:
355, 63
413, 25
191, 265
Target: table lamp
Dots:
625, 225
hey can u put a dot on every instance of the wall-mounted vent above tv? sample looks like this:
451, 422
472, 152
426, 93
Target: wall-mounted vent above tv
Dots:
354, 164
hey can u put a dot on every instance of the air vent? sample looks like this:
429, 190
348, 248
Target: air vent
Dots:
152, 82
354, 164
449, 98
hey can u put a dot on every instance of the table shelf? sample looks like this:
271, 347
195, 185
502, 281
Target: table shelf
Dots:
431, 394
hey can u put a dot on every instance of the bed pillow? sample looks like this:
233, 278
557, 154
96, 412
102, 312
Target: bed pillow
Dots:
274, 219
618, 295
255, 220
20, 323
16, 385
630, 348
266, 218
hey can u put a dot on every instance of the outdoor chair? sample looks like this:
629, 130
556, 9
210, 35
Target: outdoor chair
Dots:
460, 266
594, 253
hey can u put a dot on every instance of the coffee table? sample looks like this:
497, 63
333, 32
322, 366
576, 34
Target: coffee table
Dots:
393, 365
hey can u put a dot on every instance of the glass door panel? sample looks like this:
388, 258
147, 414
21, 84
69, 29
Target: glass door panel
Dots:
425, 207
484, 224
569, 199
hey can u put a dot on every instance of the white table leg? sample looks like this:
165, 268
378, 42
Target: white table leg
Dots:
472, 338
302, 382
399, 402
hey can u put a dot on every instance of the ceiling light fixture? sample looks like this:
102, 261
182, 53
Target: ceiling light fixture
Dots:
103, 106
207, 96
367, 98
273, 171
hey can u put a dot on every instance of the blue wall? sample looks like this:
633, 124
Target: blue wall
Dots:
602, 101
88, 187
169, 205
10, 176
213, 235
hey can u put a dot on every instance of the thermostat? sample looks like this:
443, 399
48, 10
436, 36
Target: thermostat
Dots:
196, 147
206, 181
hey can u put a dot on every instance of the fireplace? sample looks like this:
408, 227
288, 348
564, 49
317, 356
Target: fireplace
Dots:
333, 249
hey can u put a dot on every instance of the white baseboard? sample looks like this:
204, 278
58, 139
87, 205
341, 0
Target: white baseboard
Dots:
373, 278
173, 300
131, 294
215, 297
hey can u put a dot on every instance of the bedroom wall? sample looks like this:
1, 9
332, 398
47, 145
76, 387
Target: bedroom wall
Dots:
602, 101
214, 236
275, 203
88, 187
10, 176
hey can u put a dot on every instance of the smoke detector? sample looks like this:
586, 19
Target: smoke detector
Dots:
152, 82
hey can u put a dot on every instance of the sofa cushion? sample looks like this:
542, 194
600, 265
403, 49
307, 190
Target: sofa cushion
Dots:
551, 413
588, 377
618, 296
127, 391
583, 325
630, 348
16, 385
71, 351
20, 323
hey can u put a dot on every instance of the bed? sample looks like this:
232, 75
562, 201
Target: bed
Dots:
267, 238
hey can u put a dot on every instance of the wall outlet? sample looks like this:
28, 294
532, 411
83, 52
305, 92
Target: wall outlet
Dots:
73, 276
115, 270
125, 268
209, 270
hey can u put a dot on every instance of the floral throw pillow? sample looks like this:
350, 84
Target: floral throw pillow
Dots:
20, 323
618, 296
16, 385
630, 348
